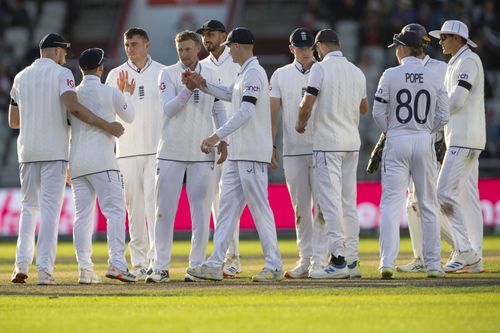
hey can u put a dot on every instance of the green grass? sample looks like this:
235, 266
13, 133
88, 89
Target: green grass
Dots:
459, 303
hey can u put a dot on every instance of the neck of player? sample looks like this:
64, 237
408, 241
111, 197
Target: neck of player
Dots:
217, 53
140, 63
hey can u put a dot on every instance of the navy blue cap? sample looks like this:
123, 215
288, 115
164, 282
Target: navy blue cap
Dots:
240, 36
302, 37
91, 58
54, 40
326, 36
407, 38
212, 25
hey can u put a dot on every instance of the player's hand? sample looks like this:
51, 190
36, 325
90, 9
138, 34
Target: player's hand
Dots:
197, 80
116, 129
222, 151
208, 144
127, 86
122, 79
187, 81
300, 127
275, 159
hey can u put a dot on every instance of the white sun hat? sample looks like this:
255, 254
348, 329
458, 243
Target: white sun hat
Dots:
454, 27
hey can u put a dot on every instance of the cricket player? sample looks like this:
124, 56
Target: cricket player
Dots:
213, 34
94, 169
288, 86
189, 116
465, 137
42, 94
410, 104
136, 149
244, 179
339, 89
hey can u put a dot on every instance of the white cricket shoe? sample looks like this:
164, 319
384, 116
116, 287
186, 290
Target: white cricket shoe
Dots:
461, 260
332, 271
267, 274
435, 273
206, 272
354, 269
231, 267
124, 276
301, 271
20, 274
158, 276
414, 266
45, 278
190, 278
315, 269
141, 272
88, 277
386, 273
476, 268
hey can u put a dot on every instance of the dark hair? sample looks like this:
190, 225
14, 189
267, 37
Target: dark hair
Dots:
188, 35
136, 31
416, 51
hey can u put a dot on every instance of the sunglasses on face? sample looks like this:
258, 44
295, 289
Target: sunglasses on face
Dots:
444, 36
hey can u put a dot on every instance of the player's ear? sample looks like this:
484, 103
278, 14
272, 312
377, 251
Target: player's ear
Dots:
290, 47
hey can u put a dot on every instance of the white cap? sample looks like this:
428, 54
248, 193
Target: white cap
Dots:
453, 27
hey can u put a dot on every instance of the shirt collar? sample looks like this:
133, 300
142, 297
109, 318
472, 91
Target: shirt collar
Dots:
246, 63
411, 60
426, 59
137, 69
300, 68
337, 53
223, 57
462, 50
91, 77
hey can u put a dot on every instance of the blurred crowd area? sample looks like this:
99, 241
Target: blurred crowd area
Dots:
365, 27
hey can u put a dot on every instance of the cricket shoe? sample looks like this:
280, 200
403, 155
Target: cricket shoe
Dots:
476, 268
231, 267
45, 278
354, 269
190, 278
158, 276
414, 266
386, 273
336, 269
205, 272
124, 276
141, 272
315, 269
88, 277
461, 260
435, 273
19, 275
267, 274
301, 271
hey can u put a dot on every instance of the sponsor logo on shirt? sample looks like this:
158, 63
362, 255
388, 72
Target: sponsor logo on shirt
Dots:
141, 92
70, 83
463, 76
251, 88
163, 87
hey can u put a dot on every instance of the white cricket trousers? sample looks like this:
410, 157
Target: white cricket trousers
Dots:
335, 186
311, 234
107, 186
42, 191
415, 227
243, 183
408, 156
458, 196
139, 178
200, 188
233, 246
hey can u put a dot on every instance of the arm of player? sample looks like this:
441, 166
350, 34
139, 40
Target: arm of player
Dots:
246, 110
363, 106
170, 102
220, 118
380, 103
468, 72
74, 107
221, 92
442, 114
275, 110
14, 117
312, 92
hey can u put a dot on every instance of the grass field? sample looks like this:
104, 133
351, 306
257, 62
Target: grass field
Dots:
412, 303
